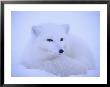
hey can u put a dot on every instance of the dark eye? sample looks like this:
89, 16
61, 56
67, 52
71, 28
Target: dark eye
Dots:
49, 40
61, 39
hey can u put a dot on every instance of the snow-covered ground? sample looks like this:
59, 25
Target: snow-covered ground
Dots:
21, 71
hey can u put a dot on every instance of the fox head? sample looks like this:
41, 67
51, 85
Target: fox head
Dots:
50, 38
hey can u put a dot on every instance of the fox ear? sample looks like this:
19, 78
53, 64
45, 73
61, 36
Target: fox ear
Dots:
66, 28
36, 30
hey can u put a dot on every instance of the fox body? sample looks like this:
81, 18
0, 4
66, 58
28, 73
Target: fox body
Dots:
52, 49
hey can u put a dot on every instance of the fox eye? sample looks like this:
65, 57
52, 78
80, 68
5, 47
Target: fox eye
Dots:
49, 40
61, 39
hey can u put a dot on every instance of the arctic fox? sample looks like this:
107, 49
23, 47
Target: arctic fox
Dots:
52, 49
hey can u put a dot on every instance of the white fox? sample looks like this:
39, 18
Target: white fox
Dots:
52, 49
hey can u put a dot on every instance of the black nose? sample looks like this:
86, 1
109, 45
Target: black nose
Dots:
61, 51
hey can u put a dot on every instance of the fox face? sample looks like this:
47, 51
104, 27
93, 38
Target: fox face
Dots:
51, 38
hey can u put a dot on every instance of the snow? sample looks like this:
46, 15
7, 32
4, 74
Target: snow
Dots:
21, 71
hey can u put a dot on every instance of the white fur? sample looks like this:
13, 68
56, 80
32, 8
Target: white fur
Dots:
44, 55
